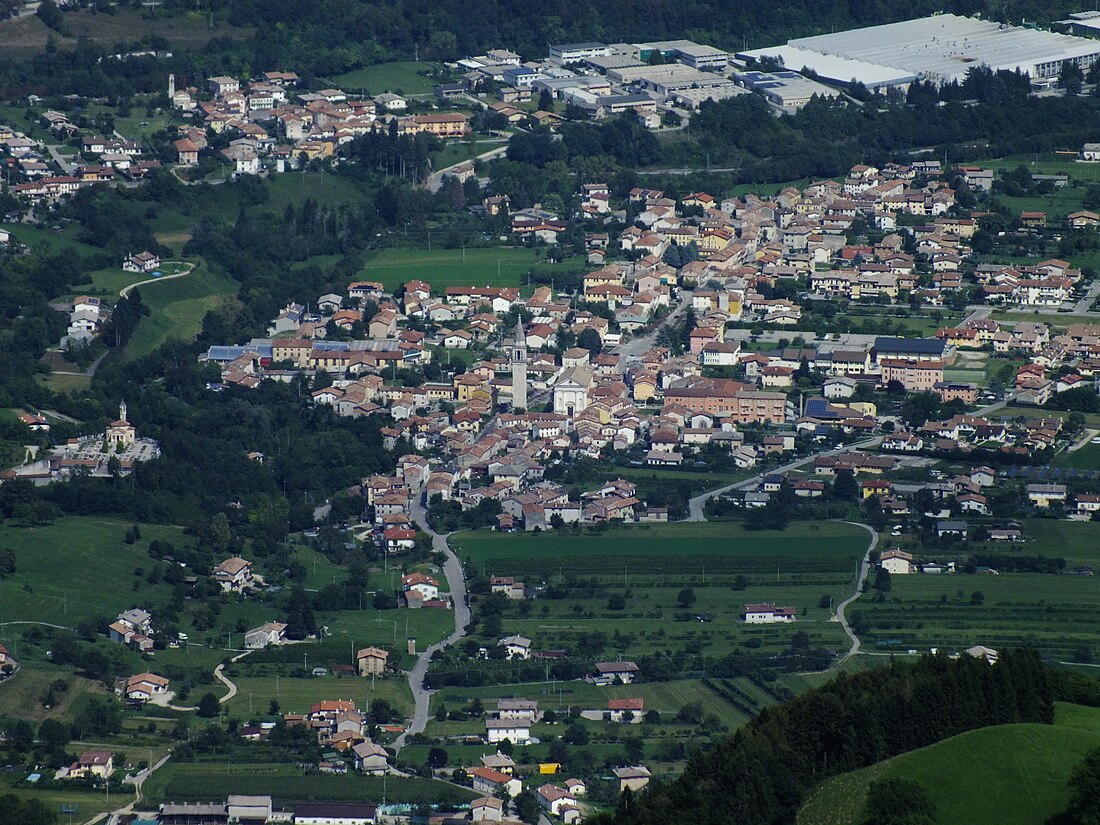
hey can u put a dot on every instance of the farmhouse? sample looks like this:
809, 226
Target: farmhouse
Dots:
768, 613
517, 730
610, 673
897, 562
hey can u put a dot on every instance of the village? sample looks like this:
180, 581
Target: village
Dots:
698, 449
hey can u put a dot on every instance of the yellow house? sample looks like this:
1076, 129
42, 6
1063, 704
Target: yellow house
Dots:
715, 240
602, 277
865, 407
466, 384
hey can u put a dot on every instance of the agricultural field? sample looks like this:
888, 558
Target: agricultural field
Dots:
84, 804
1058, 614
644, 568
410, 78
20, 695
1007, 773
23, 38
204, 781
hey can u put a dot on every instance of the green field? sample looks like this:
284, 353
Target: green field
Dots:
298, 695
65, 382
497, 266
109, 282
808, 565
727, 543
1008, 773
1086, 458
23, 38
100, 569
177, 308
1055, 613
456, 151
399, 78
204, 782
52, 242
20, 696
85, 804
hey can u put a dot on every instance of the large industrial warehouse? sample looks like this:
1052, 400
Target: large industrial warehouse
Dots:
943, 47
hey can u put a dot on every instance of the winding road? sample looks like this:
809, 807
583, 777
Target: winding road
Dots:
696, 505
864, 566
456, 583
126, 290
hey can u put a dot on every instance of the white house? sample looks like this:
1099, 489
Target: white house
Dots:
269, 633
897, 562
516, 647
370, 758
768, 614
517, 730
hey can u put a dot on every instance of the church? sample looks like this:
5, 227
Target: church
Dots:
120, 435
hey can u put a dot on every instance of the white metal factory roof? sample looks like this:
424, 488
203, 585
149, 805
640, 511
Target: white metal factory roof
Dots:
943, 47
834, 68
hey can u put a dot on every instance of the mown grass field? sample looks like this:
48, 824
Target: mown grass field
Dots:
177, 308
398, 77
298, 695
52, 242
1008, 773
1087, 458
497, 266
77, 567
209, 781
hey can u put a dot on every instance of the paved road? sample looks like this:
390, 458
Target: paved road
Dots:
696, 505
67, 166
126, 290
435, 180
864, 566
1082, 306
630, 352
456, 582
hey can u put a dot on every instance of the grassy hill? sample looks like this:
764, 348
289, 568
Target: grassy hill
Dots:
1009, 773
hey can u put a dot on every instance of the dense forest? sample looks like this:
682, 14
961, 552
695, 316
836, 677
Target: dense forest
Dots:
762, 773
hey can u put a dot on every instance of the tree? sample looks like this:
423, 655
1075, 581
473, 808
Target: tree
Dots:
546, 101
919, 408
209, 706
437, 758
590, 340
977, 598
273, 708
686, 597
844, 486
899, 802
576, 734
1071, 78
527, 806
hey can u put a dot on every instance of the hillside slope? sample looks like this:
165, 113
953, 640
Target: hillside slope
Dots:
1008, 773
